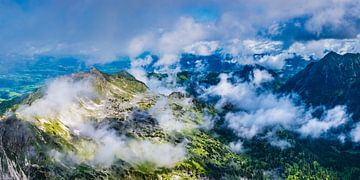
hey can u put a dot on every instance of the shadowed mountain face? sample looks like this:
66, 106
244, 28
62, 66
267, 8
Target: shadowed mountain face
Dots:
333, 80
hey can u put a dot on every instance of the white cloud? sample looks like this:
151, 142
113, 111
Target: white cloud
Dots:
237, 146
162, 112
275, 61
140, 44
280, 143
261, 76
138, 66
185, 32
106, 147
170, 122
202, 48
249, 47
111, 147
250, 124
355, 133
59, 99
333, 118
167, 59
242, 95
262, 46
318, 48
164, 86
275, 141
185, 35
271, 52
257, 113
334, 17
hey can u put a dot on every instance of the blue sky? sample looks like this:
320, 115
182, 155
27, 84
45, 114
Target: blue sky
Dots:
101, 30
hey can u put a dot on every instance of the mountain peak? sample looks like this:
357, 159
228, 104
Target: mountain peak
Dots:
330, 57
332, 54
335, 56
95, 71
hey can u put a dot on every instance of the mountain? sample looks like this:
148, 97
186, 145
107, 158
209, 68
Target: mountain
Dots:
95, 125
333, 80
99, 126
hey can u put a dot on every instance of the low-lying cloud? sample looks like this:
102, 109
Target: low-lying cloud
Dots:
257, 112
333, 118
106, 148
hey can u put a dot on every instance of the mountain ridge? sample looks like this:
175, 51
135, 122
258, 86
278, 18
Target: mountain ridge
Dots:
51, 145
331, 81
